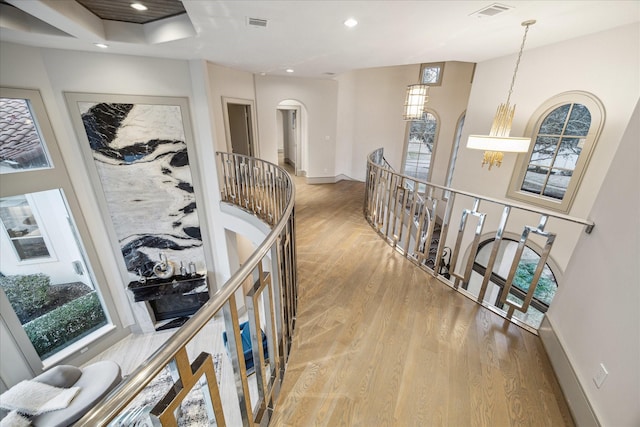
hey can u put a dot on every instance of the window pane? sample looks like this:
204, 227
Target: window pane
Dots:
546, 288
554, 122
568, 154
561, 158
17, 217
579, 121
431, 74
573, 121
535, 179
55, 299
544, 150
29, 248
420, 147
20, 224
21, 147
557, 184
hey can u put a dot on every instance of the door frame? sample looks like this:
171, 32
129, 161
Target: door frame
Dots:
253, 122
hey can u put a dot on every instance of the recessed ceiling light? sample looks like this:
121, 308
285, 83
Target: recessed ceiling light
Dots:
101, 45
350, 23
139, 6
289, 70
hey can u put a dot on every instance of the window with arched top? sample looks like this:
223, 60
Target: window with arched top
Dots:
564, 132
420, 146
544, 291
454, 150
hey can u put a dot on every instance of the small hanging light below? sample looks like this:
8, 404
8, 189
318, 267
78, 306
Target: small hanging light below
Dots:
417, 96
498, 141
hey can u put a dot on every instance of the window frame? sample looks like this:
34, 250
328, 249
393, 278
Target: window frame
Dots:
596, 109
43, 130
440, 65
56, 177
455, 150
487, 240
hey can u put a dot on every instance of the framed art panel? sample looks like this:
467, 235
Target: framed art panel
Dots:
137, 150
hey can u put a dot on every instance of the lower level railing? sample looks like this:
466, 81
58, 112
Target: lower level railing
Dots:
266, 191
500, 254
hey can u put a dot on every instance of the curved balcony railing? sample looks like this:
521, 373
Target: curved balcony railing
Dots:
266, 191
414, 216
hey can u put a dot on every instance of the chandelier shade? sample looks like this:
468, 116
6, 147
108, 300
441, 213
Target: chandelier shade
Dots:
417, 95
498, 141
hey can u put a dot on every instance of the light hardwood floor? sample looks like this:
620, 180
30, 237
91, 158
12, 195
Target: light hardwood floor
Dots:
378, 342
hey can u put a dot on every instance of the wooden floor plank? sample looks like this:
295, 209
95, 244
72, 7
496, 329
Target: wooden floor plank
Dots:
379, 342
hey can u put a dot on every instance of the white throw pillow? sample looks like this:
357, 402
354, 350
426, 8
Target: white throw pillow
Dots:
33, 398
14, 419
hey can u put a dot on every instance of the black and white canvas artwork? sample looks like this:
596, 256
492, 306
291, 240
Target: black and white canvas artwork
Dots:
141, 158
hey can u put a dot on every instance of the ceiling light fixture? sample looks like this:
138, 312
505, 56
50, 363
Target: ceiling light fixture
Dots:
417, 95
101, 45
350, 23
289, 70
498, 140
139, 6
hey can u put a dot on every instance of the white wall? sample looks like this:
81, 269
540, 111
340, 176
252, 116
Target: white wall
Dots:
51, 216
229, 83
370, 116
596, 313
370, 104
319, 98
279, 130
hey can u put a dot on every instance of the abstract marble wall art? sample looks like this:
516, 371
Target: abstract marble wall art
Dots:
140, 155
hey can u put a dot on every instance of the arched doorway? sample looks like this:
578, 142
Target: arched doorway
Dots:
291, 125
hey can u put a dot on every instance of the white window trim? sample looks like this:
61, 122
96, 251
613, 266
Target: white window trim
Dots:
455, 149
55, 177
597, 111
37, 112
432, 65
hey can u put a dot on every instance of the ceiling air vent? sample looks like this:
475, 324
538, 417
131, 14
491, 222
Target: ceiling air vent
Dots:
491, 10
256, 22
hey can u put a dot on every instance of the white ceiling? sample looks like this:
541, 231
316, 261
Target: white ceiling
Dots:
309, 35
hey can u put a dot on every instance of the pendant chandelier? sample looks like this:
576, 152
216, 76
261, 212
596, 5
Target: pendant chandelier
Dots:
498, 141
417, 95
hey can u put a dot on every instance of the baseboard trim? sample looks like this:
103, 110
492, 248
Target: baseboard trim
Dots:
328, 179
581, 410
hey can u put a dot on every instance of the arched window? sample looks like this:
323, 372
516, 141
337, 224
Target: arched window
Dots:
420, 146
545, 290
454, 150
564, 135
